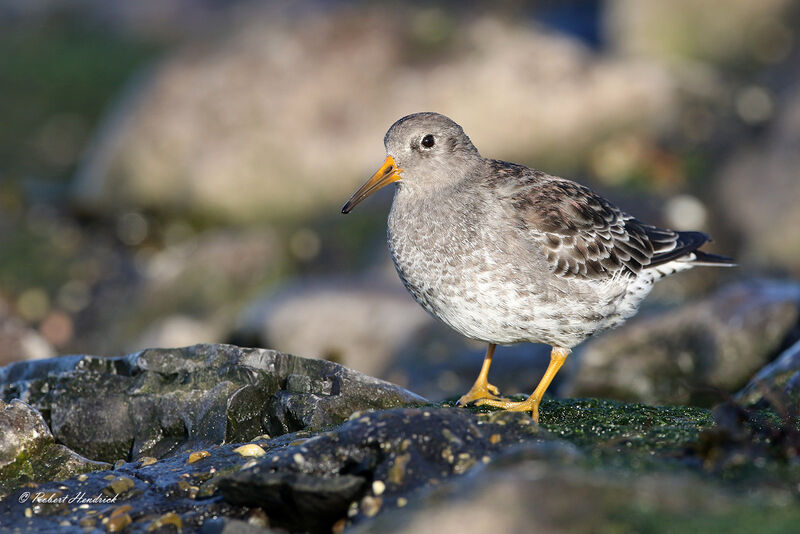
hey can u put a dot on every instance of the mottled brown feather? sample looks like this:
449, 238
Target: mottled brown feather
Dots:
582, 233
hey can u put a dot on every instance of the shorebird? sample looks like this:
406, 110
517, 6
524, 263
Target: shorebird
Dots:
506, 254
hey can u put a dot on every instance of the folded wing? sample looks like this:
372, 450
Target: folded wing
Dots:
584, 235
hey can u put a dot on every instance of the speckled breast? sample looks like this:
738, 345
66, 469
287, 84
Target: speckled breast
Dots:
449, 266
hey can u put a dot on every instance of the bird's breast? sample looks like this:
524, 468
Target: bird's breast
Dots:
451, 265
428, 253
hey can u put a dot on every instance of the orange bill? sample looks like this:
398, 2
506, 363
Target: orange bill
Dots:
387, 174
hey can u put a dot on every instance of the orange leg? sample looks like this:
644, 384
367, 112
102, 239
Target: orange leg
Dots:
531, 404
482, 389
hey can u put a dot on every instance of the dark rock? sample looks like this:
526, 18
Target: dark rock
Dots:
369, 462
159, 496
682, 356
28, 452
224, 525
156, 401
303, 502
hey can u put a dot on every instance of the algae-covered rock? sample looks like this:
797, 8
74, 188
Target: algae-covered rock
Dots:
679, 356
155, 401
28, 452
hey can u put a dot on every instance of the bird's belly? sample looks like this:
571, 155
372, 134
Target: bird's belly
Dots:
490, 303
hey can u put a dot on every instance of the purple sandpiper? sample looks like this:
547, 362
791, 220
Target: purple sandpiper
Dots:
504, 254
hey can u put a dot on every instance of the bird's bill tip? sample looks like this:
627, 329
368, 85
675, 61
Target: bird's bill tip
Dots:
387, 174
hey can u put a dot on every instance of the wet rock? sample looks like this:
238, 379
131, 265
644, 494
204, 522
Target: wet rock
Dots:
681, 356
300, 502
365, 465
224, 525
277, 134
139, 498
29, 453
157, 401
404, 467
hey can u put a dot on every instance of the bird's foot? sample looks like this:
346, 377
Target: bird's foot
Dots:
528, 405
478, 392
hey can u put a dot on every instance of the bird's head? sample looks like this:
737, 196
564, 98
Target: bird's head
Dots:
423, 150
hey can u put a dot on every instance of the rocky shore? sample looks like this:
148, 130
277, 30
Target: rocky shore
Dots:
217, 438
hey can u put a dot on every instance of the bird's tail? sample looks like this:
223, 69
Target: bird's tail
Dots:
704, 259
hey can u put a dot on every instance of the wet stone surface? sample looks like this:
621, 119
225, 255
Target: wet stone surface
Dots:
29, 453
154, 402
371, 461
589, 463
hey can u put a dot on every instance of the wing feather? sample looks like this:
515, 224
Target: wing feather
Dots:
581, 233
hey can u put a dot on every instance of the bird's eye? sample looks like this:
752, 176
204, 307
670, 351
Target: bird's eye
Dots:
428, 141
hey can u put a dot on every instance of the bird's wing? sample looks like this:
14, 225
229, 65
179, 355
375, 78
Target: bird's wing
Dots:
584, 235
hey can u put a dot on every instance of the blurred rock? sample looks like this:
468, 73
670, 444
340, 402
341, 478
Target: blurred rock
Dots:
157, 401
538, 495
186, 293
29, 453
208, 271
781, 374
760, 190
439, 363
359, 322
19, 342
688, 30
179, 331
681, 356
284, 116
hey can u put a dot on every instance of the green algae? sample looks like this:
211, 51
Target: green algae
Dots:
43, 463
761, 517
594, 424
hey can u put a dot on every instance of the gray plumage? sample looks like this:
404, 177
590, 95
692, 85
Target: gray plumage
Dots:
505, 254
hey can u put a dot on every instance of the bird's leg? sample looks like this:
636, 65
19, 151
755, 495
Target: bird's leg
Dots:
531, 404
482, 389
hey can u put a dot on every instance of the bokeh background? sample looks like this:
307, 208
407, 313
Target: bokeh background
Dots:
172, 172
